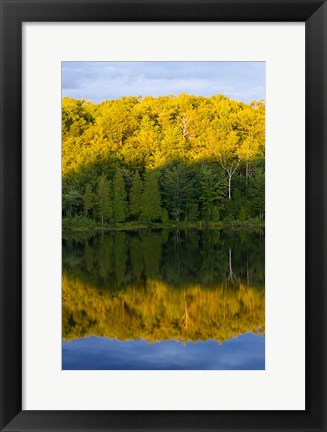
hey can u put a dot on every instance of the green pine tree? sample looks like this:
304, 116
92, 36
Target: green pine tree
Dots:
120, 212
178, 192
151, 210
136, 196
211, 188
256, 191
88, 198
104, 201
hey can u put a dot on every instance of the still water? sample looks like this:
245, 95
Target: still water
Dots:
182, 299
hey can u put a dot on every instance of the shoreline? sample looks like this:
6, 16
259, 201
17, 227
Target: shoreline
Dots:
132, 226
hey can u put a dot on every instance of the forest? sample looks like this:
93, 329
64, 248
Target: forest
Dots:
141, 161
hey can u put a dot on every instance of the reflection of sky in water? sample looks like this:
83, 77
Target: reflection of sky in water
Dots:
244, 352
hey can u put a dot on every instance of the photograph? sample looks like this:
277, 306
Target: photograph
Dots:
163, 215
164, 203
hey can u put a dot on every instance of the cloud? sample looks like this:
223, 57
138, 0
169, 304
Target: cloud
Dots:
98, 81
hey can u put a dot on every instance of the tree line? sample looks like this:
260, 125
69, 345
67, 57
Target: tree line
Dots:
154, 160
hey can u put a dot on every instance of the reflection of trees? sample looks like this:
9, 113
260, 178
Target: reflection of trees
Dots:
104, 255
187, 322
136, 257
156, 311
120, 257
177, 255
150, 249
231, 279
189, 285
177, 258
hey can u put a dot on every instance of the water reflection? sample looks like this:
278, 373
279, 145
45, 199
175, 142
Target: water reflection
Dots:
246, 352
156, 292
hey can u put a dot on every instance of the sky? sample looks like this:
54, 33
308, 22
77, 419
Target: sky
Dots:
99, 81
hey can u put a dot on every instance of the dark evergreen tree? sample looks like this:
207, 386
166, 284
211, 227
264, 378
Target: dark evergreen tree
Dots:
211, 193
120, 212
151, 209
104, 200
256, 192
177, 185
136, 196
88, 199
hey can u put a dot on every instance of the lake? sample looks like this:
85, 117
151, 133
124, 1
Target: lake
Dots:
164, 299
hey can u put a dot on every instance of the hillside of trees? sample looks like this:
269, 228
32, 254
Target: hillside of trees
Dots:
164, 160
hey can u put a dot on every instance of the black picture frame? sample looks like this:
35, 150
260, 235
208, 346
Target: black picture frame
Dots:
13, 14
